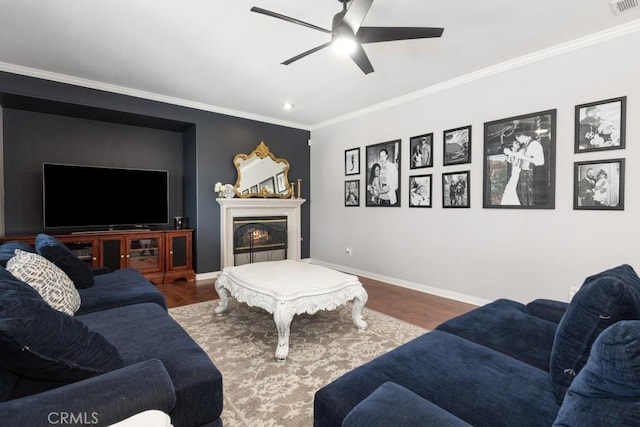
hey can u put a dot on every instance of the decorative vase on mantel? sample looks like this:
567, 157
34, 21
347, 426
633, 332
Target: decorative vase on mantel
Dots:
225, 191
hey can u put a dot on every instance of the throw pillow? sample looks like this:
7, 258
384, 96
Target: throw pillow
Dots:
41, 343
59, 254
8, 250
603, 300
607, 390
52, 284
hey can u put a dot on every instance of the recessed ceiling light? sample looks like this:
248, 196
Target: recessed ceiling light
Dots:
287, 106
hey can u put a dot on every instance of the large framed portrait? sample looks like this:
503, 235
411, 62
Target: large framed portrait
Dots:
600, 125
421, 151
352, 193
599, 185
519, 164
456, 189
457, 146
352, 161
420, 191
383, 174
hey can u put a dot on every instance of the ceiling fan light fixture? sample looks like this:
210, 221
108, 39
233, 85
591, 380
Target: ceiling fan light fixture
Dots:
344, 44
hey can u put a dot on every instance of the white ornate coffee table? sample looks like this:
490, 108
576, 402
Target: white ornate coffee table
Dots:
286, 288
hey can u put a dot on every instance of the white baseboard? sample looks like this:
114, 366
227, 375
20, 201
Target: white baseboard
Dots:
456, 296
207, 276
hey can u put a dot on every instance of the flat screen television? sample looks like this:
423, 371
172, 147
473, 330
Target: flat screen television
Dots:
76, 196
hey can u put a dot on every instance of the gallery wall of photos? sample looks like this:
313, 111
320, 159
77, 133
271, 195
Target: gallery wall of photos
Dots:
519, 164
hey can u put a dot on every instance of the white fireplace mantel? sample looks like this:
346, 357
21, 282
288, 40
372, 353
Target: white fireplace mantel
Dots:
253, 207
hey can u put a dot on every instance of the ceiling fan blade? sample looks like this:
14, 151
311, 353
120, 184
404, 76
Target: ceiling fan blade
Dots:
303, 54
385, 34
361, 59
356, 13
289, 19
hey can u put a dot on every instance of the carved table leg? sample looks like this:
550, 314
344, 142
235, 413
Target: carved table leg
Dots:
282, 317
358, 304
224, 298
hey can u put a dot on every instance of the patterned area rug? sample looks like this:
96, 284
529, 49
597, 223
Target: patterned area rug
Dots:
258, 390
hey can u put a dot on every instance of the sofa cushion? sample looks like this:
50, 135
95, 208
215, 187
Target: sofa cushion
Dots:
606, 392
59, 254
394, 405
39, 342
8, 250
505, 326
476, 384
121, 287
144, 331
603, 300
52, 283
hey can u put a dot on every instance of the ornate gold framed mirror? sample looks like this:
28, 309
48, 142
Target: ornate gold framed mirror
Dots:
261, 174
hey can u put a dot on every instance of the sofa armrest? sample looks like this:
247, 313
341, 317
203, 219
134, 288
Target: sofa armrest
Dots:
547, 309
101, 400
393, 405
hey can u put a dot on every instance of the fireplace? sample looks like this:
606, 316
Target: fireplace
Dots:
258, 239
270, 208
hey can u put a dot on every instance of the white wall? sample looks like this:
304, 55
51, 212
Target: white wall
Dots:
477, 254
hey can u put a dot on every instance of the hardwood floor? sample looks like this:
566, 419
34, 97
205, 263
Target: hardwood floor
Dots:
415, 307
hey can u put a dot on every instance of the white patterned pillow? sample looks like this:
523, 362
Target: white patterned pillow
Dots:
53, 285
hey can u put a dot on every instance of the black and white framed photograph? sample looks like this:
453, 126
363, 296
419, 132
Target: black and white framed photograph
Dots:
383, 174
420, 191
421, 150
457, 146
352, 193
268, 184
254, 189
519, 164
456, 189
352, 161
599, 185
280, 186
600, 125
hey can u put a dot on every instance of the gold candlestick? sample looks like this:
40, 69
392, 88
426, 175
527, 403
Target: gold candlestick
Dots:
293, 190
299, 186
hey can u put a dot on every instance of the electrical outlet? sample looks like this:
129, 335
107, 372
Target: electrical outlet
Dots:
348, 250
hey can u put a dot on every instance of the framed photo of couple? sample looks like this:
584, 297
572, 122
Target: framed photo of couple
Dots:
598, 185
519, 164
383, 174
421, 149
456, 189
600, 125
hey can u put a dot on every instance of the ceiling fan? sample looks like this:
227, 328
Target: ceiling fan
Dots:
347, 27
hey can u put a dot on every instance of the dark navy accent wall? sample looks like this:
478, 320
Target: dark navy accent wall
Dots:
120, 130
36, 138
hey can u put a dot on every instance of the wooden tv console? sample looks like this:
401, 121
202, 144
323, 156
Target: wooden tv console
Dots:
160, 255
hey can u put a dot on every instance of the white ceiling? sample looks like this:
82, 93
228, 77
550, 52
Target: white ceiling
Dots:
219, 56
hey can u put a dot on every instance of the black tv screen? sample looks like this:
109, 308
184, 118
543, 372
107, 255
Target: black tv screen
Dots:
89, 196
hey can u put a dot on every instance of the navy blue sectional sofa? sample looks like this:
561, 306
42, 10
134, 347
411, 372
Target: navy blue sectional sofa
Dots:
120, 354
507, 364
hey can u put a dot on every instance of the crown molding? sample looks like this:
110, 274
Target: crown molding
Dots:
592, 39
121, 90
